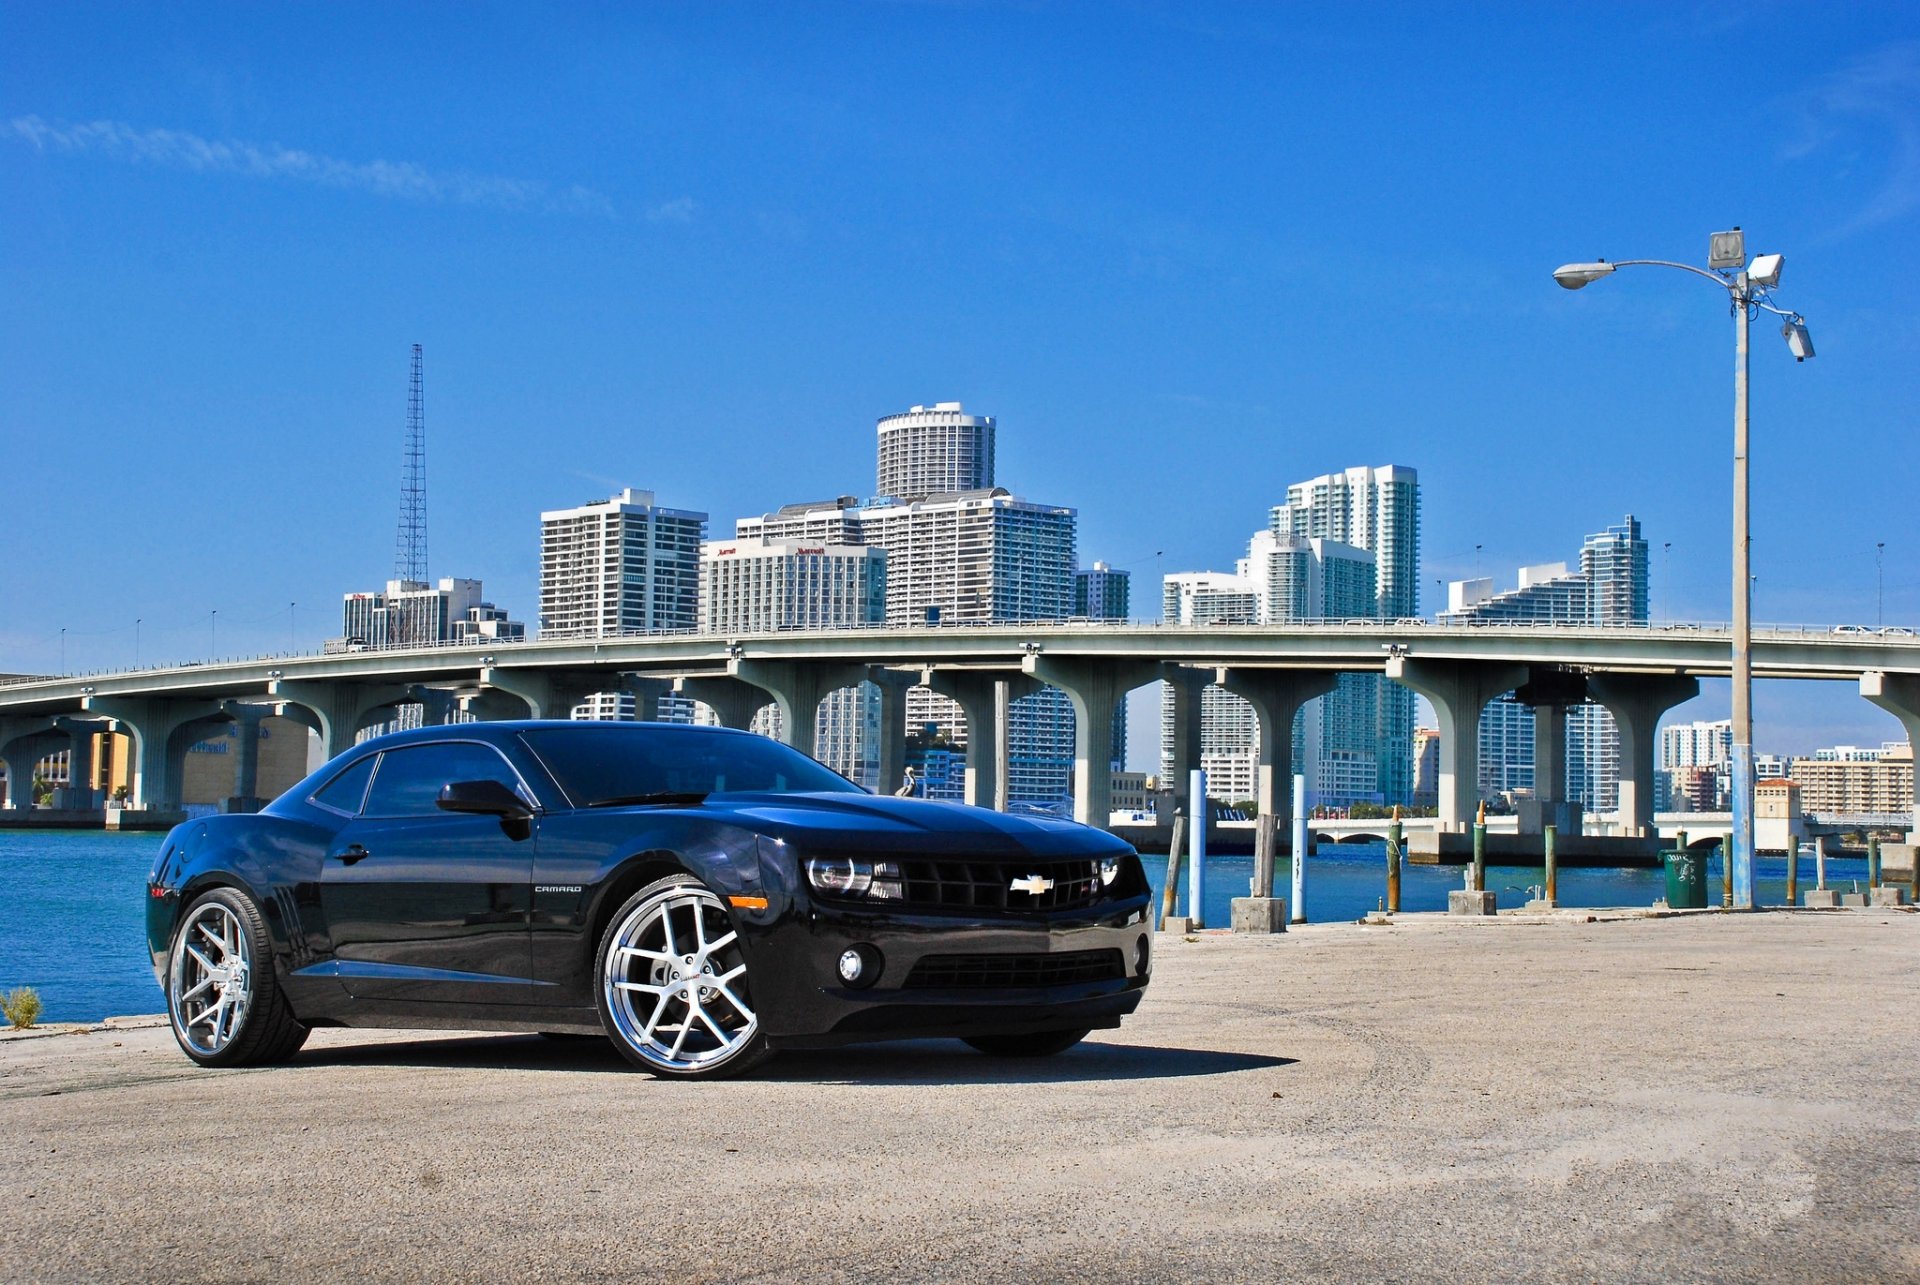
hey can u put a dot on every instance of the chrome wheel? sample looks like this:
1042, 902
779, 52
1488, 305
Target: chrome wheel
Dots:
211, 985
674, 984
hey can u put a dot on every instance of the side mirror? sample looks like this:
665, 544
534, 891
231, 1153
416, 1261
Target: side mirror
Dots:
487, 798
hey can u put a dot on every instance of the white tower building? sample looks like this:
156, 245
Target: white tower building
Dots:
620, 565
934, 450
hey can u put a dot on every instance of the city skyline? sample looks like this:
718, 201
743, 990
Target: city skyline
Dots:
1256, 269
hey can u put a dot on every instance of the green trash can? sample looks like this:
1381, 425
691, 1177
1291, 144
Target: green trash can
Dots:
1686, 879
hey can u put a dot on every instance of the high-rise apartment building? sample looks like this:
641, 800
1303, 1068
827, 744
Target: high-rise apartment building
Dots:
1101, 593
1609, 589
1284, 579
1848, 780
934, 450
1378, 510
620, 565
959, 550
763, 586
412, 613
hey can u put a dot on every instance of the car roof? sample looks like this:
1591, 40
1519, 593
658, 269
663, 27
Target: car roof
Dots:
497, 730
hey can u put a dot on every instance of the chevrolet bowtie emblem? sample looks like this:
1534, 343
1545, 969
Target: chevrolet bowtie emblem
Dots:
1035, 884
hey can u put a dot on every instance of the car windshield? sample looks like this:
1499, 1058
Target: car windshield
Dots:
599, 764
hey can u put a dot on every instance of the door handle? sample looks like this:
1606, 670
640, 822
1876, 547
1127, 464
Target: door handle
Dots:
351, 853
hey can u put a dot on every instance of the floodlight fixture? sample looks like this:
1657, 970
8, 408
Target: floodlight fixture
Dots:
1727, 249
1766, 270
1799, 342
1575, 275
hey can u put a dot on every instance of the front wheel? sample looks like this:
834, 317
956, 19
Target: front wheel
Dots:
223, 1000
673, 990
1037, 1044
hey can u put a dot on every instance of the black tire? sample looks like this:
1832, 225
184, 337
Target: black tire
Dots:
1036, 1044
649, 968
250, 1023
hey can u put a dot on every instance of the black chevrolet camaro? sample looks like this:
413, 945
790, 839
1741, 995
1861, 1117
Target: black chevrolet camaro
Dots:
700, 896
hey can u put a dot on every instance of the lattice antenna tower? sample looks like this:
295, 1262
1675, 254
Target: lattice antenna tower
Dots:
410, 546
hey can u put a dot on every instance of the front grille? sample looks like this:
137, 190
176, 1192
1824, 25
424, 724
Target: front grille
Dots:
988, 885
967, 972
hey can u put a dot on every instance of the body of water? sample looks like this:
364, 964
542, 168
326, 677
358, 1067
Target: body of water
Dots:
73, 923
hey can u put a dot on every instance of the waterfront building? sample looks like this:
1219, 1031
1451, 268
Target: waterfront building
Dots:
1852, 780
1377, 510
1426, 767
1610, 588
1101, 593
412, 613
956, 553
1284, 579
1695, 759
620, 565
755, 585
934, 450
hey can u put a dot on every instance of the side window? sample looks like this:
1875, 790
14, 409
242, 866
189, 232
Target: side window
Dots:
409, 781
346, 790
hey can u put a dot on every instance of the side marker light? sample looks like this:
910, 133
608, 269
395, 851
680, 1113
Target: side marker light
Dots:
748, 903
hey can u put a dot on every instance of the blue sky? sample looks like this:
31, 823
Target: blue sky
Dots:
1186, 254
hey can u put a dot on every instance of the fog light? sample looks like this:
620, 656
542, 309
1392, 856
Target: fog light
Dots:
859, 966
1142, 952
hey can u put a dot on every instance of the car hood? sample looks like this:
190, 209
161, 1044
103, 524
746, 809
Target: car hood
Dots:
881, 821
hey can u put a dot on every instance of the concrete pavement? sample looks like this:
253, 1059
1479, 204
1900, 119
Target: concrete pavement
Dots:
1710, 1097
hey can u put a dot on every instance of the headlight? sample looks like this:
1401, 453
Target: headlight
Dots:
850, 877
1109, 870
842, 876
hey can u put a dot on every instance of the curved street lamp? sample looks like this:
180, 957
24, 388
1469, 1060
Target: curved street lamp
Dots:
1749, 291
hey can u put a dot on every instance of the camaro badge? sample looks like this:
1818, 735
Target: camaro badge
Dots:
1035, 884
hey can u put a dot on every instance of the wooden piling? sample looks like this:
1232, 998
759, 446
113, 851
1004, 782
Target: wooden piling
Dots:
1170, 895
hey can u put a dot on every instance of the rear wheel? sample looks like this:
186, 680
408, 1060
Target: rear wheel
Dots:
223, 999
1038, 1044
673, 987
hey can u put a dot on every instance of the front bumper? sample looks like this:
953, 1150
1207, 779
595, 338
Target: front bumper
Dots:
805, 1004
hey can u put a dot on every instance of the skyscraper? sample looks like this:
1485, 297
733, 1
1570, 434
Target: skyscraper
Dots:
959, 549
1101, 593
934, 450
1609, 589
620, 565
1284, 579
755, 585
1376, 509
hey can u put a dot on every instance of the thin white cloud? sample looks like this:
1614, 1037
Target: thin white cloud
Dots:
1880, 90
402, 180
678, 210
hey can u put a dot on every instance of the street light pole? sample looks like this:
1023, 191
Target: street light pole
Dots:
1748, 286
1742, 765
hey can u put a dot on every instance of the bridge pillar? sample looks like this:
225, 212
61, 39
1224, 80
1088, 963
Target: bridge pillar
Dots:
23, 743
892, 750
161, 730
1276, 696
734, 701
1899, 695
983, 697
79, 794
1096, 686
1636, 702
1184, 693
1458, 691
246, 755
546, 693
798, 687
336, 710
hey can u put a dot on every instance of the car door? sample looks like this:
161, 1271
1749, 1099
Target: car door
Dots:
427, 905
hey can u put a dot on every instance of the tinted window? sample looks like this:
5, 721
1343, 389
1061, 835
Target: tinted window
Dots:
345, 791
597, 762
409, 781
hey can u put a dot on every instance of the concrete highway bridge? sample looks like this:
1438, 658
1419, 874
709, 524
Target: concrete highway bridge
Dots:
1636, 672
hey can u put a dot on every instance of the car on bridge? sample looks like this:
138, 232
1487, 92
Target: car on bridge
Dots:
701, 897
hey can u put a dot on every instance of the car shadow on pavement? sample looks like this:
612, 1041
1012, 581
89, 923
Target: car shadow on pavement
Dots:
901, 1063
